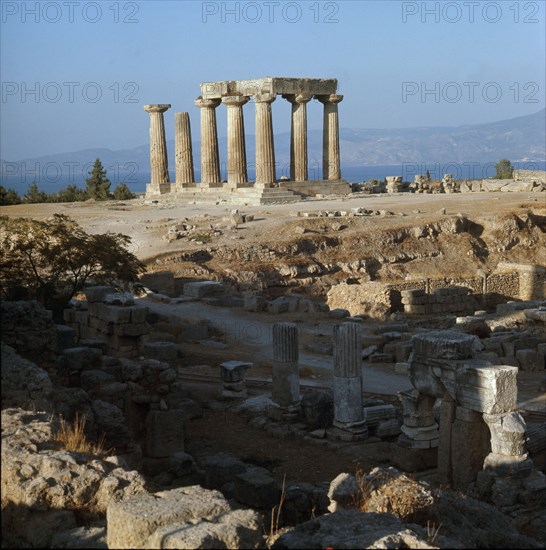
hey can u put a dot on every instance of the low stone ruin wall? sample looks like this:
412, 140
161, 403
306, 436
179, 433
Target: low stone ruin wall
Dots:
110, 318
455, 300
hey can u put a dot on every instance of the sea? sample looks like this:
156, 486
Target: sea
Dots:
136, 181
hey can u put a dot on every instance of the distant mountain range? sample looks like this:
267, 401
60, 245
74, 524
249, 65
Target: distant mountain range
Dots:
518, 139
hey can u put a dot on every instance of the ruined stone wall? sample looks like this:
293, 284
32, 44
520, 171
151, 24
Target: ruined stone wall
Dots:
503, 284
530, 175
456, 300
112, 318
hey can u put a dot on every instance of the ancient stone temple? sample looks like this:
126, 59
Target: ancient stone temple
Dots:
237, 189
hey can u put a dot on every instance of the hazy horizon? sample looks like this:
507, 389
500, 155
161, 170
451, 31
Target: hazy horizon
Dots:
398, 64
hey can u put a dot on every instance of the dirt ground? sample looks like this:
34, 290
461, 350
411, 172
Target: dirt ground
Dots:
147, 224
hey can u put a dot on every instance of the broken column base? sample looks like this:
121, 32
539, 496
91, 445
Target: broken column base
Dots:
288, 414
423, 437
518, 467
348, 431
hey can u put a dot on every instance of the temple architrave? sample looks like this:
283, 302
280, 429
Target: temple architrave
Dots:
234, 94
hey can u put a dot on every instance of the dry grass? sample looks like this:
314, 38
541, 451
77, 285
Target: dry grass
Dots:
399, 495
274, 526
72, 437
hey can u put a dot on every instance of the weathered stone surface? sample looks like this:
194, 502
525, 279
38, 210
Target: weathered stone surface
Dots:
23, 383
164, 433
490, 389
237, 529
343, 492
132, 522
353, 529
200, 289
255, 487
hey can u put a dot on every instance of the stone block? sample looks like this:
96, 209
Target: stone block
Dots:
221, 468
132, 521
200, 289
131, 329
164, 433
114, 314
97, 293
256, 487
490, 389
237, 529
444, 344
138, 313
529, 359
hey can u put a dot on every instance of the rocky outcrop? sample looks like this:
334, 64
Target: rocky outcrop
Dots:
46, 489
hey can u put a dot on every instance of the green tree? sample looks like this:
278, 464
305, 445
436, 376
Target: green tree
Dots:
9, 196
504, 170
98, 185
122, 193
72, 193
51, 260
34, 195
427, 175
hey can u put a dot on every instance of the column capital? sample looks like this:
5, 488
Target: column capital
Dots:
235, 100
157, 107
298, 98
207, 103
265, 98
332, 98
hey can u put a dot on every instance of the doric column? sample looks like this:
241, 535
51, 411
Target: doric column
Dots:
286, 381
210, 160
265, 147
237, 173
183, 151
298, 136
159, 164
331, 169
348, 406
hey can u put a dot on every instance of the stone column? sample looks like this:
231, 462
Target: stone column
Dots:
508, 457
298, 136
348, 405
286, 381
159, 164
233, 374
237, 174
265, 147
419, 430
183, 151
210, 160
331, 166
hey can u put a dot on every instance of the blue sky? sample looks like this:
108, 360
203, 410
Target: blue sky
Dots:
93, 65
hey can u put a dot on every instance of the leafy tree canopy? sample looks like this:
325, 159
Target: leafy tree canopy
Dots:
504, 170
51, 260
